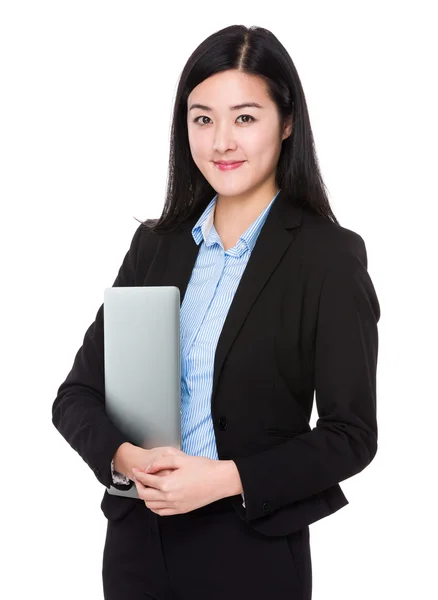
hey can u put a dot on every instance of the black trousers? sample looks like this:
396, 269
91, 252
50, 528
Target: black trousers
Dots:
209, 554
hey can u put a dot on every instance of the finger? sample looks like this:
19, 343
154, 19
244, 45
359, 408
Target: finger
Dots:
163, 472
138, 483
140, 487
163, 512
156, 505
146, 479
147, 493
169, 461
151, 495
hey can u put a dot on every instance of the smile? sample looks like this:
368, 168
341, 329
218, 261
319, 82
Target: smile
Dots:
229, 167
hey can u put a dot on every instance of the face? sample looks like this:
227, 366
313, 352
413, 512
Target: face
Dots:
219, 132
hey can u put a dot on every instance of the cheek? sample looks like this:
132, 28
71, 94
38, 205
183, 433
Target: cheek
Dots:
198, 145
259, 144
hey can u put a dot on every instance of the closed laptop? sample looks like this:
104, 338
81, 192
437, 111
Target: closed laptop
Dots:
142, 362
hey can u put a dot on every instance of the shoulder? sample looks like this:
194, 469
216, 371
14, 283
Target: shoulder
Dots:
144, 234
330, 244
339, 256
143, 244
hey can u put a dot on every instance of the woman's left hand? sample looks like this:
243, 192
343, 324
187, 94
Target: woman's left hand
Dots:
192, 483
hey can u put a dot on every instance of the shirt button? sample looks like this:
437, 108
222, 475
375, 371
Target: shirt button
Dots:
266, 507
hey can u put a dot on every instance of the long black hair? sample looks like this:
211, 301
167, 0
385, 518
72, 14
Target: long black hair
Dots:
254, 51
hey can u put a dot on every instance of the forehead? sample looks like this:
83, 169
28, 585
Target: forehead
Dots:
221, 90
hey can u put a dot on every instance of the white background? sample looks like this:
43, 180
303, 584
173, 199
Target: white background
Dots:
87, 90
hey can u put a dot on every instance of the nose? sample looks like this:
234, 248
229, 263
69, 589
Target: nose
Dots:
223, 139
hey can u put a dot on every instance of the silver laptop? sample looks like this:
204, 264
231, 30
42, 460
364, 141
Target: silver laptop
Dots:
143, 366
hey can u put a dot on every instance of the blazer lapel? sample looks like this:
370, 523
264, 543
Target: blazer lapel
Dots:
177, 255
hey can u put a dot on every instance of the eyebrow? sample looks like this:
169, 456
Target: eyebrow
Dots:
236, 107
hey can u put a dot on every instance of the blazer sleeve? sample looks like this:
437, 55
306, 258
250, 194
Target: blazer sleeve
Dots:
344, 440
78, 411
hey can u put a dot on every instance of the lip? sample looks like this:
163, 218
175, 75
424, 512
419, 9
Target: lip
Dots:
228, 166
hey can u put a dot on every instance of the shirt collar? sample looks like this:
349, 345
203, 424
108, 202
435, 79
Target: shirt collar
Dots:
204, 229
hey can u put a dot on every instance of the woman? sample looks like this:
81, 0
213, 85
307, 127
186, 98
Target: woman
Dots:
276, 303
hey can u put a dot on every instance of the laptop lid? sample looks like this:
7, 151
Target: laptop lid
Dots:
142, 364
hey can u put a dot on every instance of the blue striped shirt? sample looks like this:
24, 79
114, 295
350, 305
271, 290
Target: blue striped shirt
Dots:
210, 291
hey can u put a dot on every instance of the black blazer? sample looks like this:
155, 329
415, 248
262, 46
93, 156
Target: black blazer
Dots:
303, 319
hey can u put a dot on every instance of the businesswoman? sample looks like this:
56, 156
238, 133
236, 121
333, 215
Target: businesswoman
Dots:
276, 305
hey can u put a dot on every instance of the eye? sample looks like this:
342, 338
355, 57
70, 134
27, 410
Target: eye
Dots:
249, 116
205, 117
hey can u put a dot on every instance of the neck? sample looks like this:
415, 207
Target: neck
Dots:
241, 210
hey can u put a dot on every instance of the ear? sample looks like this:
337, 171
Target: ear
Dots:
287, 129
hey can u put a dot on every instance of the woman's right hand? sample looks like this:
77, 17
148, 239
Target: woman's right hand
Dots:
129, 456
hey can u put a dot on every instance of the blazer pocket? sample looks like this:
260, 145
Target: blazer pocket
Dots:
116, 507
299, 550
